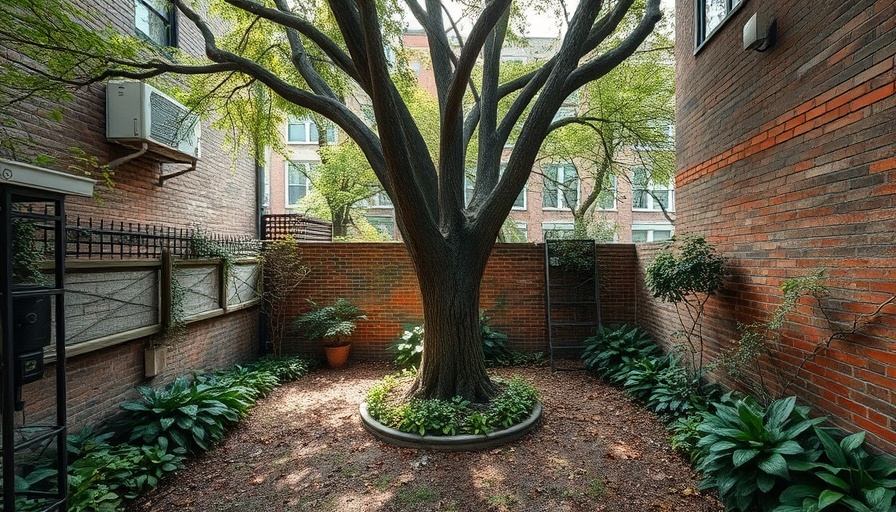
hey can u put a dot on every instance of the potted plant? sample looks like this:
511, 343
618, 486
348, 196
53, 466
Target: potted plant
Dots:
332, 325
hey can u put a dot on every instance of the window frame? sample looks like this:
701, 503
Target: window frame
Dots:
547, 226
614, 184
169, 20
332, 133
701, 35
561, 197
652, 187
287, 185
378, 202
649, 230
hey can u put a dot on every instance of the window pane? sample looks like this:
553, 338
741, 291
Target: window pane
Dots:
639, 235
659, 236
663, 196
640, 199
468, 190
314, 136
715, 11
520, 202
296, 132
331, 134
151, 19
297, 184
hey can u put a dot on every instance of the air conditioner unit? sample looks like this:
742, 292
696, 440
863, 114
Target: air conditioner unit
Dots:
137, 112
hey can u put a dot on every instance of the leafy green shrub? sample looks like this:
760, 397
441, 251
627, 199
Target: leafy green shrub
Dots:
409, 348
747, 453
189, 414
615, 350
256, 383
642, 377
332, 324
494, 343
676, 394
685, 436
845, 478
450, 417
432, 416
284, 368
514, 404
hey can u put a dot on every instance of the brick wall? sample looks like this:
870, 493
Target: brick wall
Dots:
98, 381
785, 162
379, 278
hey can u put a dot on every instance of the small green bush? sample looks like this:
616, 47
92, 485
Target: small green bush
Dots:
616, 349
284, 368
189, 414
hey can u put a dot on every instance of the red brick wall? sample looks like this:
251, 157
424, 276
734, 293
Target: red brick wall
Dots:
218, 196
98, 381
379, 278
785, 162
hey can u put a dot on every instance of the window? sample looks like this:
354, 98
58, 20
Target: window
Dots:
469, 187
553, 230
710, 15
155, 20
382, 224
607, 198
523, 228
304, 131
297, 184
647, 195
651, 233
381, 200
561, 187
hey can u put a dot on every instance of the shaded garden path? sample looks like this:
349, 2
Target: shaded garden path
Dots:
304, 448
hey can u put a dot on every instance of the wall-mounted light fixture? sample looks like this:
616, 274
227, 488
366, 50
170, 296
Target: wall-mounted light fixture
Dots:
759, 33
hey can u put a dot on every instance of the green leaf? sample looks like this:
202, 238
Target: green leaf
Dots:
166, 422
852, 442
788, 448
779, 411
831, 448
741, 457
776, 465
833, 480
765, 482
828, 498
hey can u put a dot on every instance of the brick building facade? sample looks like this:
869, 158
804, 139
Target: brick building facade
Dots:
218, 196
785, 161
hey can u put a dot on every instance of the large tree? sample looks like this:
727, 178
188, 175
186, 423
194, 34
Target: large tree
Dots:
330, 46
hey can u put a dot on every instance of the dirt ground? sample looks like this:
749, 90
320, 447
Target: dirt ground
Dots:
303, 448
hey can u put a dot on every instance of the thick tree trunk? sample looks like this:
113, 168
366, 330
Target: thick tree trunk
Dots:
453, 363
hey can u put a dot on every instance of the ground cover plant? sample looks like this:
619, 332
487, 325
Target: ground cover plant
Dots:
158, 432
388, 404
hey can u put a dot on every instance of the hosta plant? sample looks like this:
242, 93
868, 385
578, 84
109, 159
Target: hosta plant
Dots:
189, 413
616, 349
748, 453
846, 477
642, 377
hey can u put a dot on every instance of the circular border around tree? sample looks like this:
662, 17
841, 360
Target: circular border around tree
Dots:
459, 443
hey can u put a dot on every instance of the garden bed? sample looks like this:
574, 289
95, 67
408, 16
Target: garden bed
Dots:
305, 448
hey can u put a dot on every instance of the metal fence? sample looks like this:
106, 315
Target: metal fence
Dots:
296, 225
86, 238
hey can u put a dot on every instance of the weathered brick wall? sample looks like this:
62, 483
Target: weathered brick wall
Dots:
785, 162
98, 381
379, 278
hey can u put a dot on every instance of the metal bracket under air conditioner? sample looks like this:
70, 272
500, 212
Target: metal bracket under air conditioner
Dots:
167, 176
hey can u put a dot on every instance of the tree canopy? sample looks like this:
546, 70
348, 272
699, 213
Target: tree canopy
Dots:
313, 57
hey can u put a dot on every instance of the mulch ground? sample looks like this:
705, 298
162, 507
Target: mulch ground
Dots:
303, 448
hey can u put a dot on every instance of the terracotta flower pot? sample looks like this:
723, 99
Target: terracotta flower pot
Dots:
337, 356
